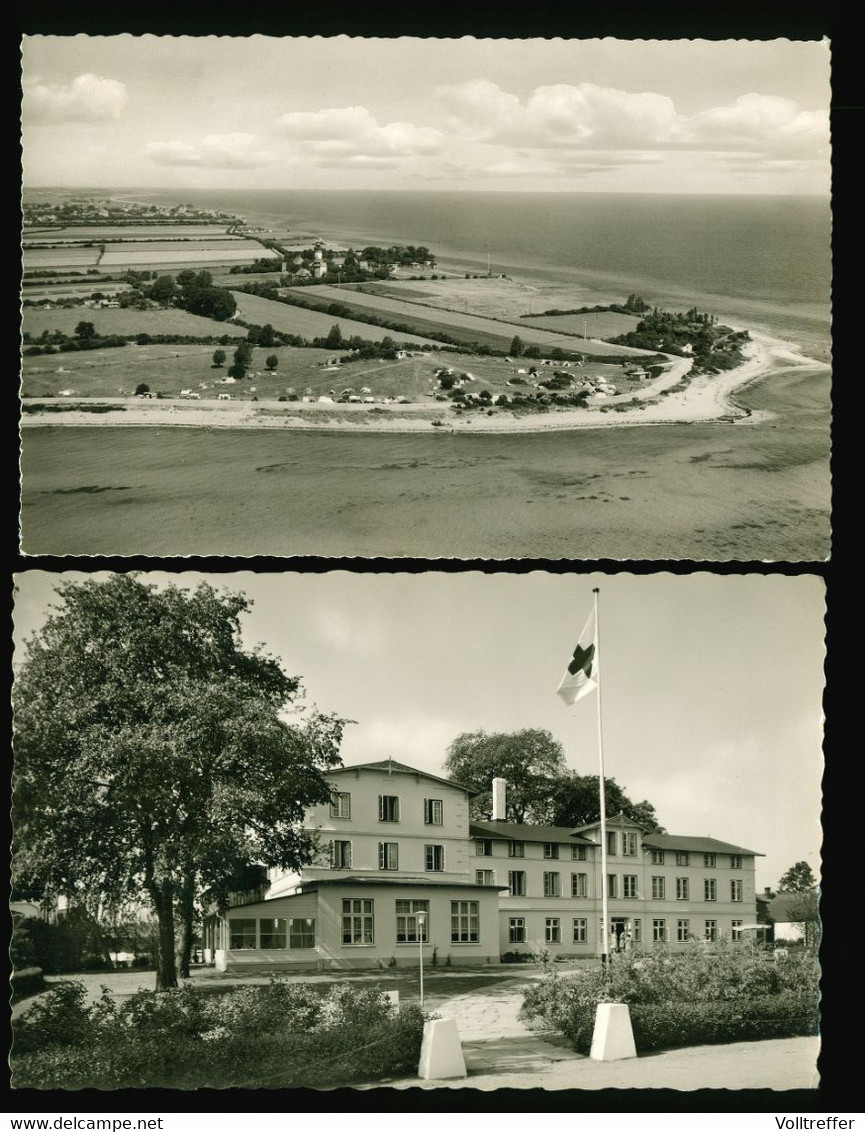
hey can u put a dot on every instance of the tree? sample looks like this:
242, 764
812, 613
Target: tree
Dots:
529, 760
334, 338
267, 335
154, 755
798, 878
85, 330
272, 361
516, 346
576, 801
219, 357
162, 289
141, 387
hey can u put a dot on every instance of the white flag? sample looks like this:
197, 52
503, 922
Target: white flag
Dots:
581, 675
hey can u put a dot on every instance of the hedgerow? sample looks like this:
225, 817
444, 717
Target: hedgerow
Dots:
277, 1036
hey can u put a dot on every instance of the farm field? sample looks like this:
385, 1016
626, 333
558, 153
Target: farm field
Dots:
598, 324
469, 327
311, 324
228, 252
171, 321
35, 258
125, 232
81, 289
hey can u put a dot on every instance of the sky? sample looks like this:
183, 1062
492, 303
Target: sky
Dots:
711, 685
684, 116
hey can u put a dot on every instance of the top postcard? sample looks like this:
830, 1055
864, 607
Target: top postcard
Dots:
426, 298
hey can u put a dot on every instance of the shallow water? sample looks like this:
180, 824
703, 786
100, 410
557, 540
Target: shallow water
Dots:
717, 492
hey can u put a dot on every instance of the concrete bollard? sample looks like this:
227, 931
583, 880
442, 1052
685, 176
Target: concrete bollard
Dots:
441, 1053
613, 1037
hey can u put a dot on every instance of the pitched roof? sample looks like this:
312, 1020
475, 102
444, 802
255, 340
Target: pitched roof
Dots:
393, 767
697, 844
520, 831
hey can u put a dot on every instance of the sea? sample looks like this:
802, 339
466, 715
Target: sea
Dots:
706, 492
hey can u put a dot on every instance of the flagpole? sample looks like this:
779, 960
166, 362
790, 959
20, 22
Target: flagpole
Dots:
605, 918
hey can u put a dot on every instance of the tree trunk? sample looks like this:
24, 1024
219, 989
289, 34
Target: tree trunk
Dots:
166, 966
186, 910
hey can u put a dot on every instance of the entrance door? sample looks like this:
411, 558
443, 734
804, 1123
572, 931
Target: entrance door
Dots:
618, 928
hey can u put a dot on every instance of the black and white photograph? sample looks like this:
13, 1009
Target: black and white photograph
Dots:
417, 831
556, 299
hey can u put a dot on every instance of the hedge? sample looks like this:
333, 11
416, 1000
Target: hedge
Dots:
671, 1025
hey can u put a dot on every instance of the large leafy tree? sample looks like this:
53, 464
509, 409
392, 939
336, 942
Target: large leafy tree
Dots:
798, 878
530, 761
576, 801
155, 755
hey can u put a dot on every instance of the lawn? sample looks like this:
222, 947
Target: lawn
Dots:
123, 321
311, 324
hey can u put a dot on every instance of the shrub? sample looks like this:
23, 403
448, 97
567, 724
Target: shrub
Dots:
60, 1017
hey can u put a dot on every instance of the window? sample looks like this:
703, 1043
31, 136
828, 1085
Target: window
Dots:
301, 933
709, 860
484, 847
683, 858
357, 921
551, 851
736, 931
711, 930
516, 848
272, 934
553, 930
612, 886
465, 921
579, 884
638, 931
517, 884
552, 884
340, 854
578, 853
388, 855
434, 856
629, 844
657, 888
735, 861
683, 930
682, 888
736, 891
657, 856
485, 876
340, 805
710, 889
629, 887
407, 920
611, 844
659, 931
241, 935
581, 929
388, 807
433, 811
516, 930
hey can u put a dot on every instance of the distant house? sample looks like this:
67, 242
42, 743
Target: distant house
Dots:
794, 917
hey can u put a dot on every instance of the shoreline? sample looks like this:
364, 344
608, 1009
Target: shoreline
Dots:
706, 399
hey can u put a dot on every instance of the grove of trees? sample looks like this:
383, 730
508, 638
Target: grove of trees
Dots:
155, 756
541, 789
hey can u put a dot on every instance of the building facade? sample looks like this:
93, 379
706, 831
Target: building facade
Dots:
400, 867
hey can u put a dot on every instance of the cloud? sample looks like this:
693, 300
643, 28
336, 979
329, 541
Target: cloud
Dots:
216, 151
88, 98
357, 636
587, 116
352, 136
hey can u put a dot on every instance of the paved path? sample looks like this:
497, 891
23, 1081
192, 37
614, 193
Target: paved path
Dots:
501, 1052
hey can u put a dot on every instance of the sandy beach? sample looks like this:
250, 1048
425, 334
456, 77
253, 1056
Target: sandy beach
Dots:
706, 398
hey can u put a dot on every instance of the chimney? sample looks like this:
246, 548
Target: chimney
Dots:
499, 799
768, 892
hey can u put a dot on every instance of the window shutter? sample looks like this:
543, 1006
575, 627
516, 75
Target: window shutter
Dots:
332, 851
381, 854
348, 856
381, 807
